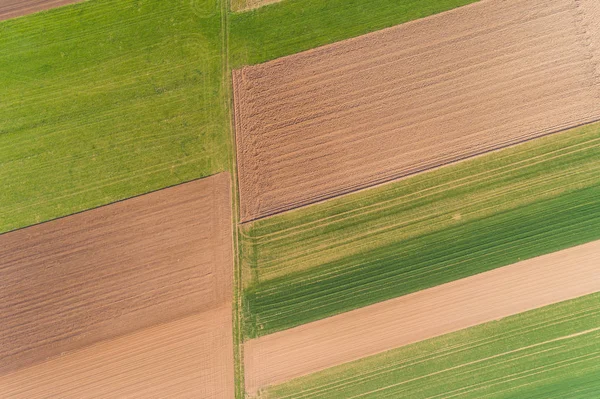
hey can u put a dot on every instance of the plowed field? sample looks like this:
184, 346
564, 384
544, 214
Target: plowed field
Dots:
16, 8
395, 102
117, 270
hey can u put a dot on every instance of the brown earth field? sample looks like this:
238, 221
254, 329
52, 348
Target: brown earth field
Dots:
485, 297
392, 103
101, 274
185, 358
16, 8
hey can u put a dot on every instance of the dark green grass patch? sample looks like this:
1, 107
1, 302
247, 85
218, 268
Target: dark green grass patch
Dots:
424, 261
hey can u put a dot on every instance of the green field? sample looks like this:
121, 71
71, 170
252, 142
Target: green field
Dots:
552, 352
296, 25
491, 211
108, 99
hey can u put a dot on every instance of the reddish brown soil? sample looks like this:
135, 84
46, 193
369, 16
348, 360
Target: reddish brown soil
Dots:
244, 5
395, 102
526, 285
186, 358
98, 275
16, 8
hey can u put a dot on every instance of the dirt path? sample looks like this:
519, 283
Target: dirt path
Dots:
526, 285
16, 8
114, 270
186, 358
419, 95
246, 5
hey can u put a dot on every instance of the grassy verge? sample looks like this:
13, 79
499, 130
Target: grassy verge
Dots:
551, 352
292, 26
105, 100
447, 224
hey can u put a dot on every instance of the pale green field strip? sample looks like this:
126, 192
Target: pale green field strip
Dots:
293, 26
105, 100
491, 211
520, 287
552, 352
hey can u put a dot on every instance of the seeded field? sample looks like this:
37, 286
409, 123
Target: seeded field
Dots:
491, 211
395, 102
552, 352
108, 99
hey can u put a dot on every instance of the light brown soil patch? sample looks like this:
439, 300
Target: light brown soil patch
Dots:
187, 358
16, 8
98, 275
399, 101
246, 5
489, 296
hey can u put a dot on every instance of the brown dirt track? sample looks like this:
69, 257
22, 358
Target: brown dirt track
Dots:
115, 270
395, 102
489, 296
16, 8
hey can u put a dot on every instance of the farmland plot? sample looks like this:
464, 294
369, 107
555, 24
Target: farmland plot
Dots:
121, 269
487, 212
550, 352
406, 99
489, 296
104, 100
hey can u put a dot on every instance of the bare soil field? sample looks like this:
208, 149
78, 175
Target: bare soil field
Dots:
114, 270
245, 5
186, 358
485, 297
402, 100
16, 8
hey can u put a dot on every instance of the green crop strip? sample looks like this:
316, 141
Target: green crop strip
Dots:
551, 352
292, 26
104, 100
440, 226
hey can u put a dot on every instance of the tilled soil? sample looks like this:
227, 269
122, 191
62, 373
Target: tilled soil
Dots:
114, 270
16, 8
485, 297
185, 358
406, 99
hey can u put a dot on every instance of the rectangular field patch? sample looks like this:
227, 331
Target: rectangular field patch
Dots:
121, 269
385, 105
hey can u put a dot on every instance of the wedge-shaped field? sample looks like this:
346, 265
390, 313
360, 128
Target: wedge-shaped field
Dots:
427, 93
297, 25
463, 219
488, 296
552, 352
104, 100
115, 270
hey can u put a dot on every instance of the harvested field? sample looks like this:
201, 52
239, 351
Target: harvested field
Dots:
551, 352
16, 8
98, 275
185, 358
392, 103
489, 296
